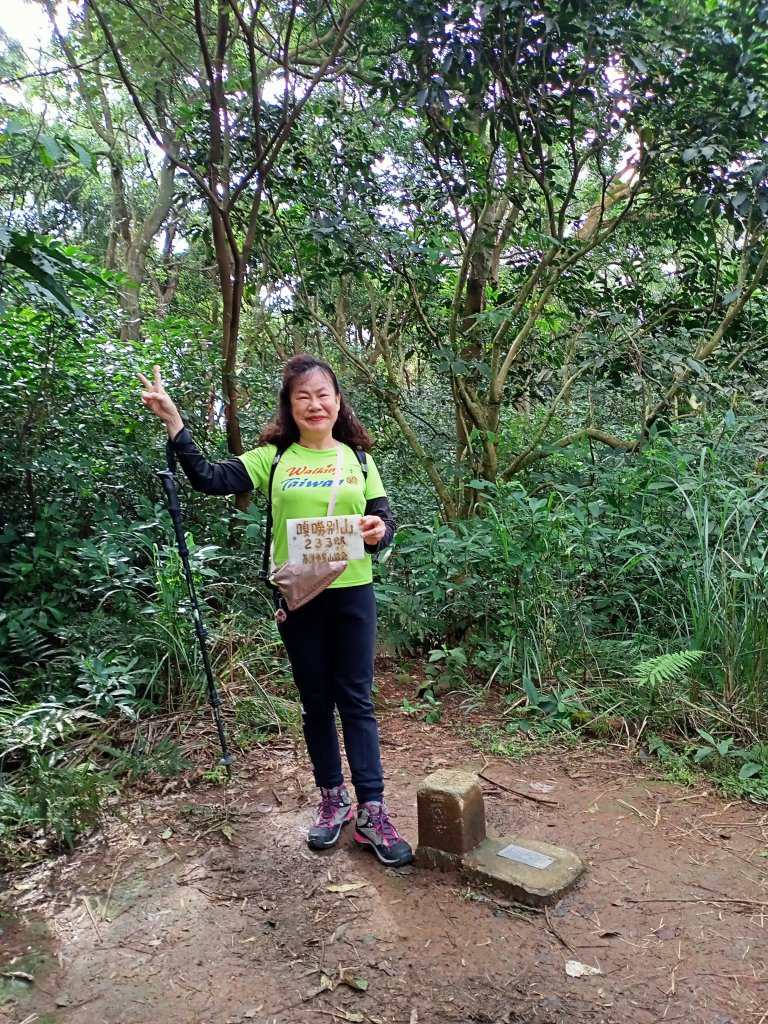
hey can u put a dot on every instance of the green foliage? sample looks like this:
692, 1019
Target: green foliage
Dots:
48, 272
677, 766
216, 776
565, 601
725, 576
553, 711
264, 713
165, 760
482, 589
518, 744
53, 798
735, 770
446, 668
172, 655
428, 708
95, 626
725, 748
666, 668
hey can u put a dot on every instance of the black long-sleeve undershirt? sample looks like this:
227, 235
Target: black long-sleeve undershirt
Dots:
227, 477
231, 477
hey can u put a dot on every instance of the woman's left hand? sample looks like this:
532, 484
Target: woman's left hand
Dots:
372, 529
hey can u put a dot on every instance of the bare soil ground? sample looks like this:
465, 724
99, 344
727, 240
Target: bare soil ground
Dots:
202, 905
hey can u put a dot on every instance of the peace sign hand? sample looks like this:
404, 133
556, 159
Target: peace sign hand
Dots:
158, 401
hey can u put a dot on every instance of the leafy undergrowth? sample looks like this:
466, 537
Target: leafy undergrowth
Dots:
649, 714
64, 763
67, 765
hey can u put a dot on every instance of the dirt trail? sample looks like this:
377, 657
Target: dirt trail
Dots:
194, 911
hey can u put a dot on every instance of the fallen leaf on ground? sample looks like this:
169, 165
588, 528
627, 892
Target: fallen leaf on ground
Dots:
346, 887
338, 933
353, 981
162, 862
575, 969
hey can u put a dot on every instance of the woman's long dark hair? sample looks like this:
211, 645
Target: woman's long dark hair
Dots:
283, 431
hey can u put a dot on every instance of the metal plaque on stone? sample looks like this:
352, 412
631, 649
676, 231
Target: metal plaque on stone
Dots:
522, 855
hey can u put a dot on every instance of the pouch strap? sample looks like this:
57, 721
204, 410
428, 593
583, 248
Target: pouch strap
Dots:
336, 479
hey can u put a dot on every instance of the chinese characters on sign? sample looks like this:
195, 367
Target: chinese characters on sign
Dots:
325, 539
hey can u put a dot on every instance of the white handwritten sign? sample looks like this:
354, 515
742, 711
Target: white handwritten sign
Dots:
325, 539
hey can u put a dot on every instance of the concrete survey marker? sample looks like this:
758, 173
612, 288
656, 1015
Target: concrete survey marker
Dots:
452, 834
451, 813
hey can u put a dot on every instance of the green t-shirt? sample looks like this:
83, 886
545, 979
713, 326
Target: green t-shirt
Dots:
302, 487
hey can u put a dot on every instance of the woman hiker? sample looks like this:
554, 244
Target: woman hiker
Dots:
330, 640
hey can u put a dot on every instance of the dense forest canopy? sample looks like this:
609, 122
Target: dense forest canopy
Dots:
532, 238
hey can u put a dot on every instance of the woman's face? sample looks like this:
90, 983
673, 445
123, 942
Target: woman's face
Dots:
314, 405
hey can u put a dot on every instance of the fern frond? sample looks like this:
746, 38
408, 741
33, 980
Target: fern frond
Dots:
666, 667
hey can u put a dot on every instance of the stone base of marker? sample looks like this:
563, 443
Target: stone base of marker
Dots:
452, 836
537, 874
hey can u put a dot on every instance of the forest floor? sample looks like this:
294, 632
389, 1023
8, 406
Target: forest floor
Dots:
202, 904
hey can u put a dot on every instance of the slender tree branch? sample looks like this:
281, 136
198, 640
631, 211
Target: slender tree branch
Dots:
521, 460
705, 349
133, 94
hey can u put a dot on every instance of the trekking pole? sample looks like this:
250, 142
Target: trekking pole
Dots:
168, 480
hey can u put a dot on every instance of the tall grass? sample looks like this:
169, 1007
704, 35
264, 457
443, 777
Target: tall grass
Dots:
663, 553
723, 589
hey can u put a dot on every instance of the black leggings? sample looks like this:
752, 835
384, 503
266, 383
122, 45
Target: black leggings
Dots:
330, 643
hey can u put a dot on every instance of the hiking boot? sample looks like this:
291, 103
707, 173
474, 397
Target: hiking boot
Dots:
335, 809
376, 832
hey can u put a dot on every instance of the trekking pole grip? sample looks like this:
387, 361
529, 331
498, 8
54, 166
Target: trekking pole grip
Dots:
168, 481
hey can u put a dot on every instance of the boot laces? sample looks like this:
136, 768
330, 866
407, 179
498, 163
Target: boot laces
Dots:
329, 804
381, 821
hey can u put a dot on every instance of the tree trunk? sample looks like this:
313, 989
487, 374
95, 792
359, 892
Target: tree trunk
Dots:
130, 293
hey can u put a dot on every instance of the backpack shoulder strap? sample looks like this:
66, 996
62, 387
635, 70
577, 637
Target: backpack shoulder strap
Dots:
264, 575
363, 460
279, 453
